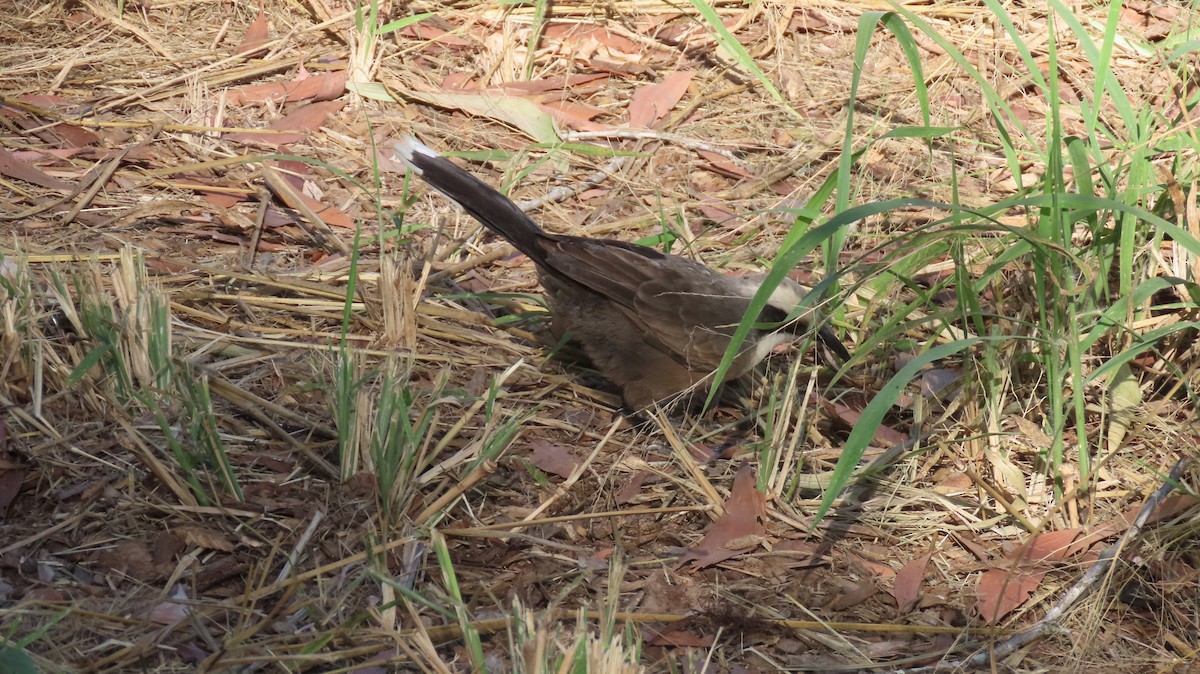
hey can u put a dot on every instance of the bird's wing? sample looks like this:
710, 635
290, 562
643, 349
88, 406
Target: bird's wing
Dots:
684, 308
613, 269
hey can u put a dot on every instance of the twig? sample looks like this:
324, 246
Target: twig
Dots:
301, 544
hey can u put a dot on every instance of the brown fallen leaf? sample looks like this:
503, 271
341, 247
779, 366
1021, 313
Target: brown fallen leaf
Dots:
303, 119
906, 589
1051, 546
580, 36
10, 485
720, 164
1000, 591
681, 638
741, 523
632, 487
257, 35
541, 86
14, 168
322, 87
853, 593
574, 115
171, 610
885, 435
551, 458
651, 103
203, 537
289, 188
714, 209
424, 31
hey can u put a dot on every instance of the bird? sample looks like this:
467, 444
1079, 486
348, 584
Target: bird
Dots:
656, 325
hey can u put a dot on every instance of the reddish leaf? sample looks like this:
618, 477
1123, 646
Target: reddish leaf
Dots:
424, 31
298, 196
885, 435
853, 593
574, 115
30, 156
70, 135
324, 87
13, 168
257, 35
263, 246
10, 485
721, 164
907, 587
1052, 546
714, 209
549, 84
171, 610
738, 529
46, 100
1000, 591
203, 537
681, 638
627, 69
1168, 508
954, 483
652, 102
935, 380
632, 487
222, 199
307, 118
584, 37
552, 458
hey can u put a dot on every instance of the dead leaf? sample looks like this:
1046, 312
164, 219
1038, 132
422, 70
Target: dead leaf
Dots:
134, 559
720, 164
575, 116
13, 168
956, 482
541, 86
906, 589
1168, 508
884, 434
714, 209
10, 485
323, 87
1051, 546
424, 31
306, 118
632, 487
172, 610
1036, 437
203, 537
551, 458
298, 190
651, 103
681, 638
1000, 591
74, 136
577, 36
853, 593
257, 35
935, 380
741, 522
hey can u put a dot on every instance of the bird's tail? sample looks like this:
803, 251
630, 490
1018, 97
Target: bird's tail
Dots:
494, 210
